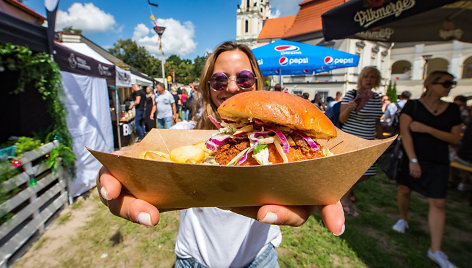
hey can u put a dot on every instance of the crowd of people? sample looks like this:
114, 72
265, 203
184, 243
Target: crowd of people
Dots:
428, 126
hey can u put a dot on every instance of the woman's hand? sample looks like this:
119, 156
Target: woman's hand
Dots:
333, 215
416, 126
121, 203
351, 105
415, 170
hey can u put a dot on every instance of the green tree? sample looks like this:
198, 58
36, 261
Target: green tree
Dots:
70, 29
137, 57
391, 92
198, 65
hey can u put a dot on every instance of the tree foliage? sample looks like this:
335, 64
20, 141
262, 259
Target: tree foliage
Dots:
183, 71
70, 29
392, 91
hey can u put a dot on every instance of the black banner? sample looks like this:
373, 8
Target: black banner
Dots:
75, 62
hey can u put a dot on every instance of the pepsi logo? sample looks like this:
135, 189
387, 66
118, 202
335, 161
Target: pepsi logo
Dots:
286, 48
328, 60
283, 61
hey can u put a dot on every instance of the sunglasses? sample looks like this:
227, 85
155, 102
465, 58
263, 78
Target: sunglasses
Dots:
447, 84
244, 79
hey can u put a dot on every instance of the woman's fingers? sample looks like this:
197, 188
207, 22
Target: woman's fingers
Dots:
135, 210
109, 186
285, 215
123, 204
333, 218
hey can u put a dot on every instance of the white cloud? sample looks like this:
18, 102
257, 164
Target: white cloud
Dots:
178, 38
86, 17
274, 15
284, 7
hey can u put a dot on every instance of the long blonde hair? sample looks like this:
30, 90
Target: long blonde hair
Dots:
367, 70
209, 108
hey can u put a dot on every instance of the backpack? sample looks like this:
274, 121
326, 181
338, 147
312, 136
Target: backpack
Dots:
395, 126
333, 114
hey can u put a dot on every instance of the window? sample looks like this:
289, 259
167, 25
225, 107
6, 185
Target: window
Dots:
246, 26
248, 3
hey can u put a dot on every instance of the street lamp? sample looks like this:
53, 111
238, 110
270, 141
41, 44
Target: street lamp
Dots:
160, 30
426, 58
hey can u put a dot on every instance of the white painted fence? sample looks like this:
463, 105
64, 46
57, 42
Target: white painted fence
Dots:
34, 207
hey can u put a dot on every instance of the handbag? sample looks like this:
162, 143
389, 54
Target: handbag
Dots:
390, 163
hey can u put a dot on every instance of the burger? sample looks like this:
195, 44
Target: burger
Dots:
268, 127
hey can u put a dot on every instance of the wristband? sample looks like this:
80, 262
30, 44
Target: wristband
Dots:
414, 160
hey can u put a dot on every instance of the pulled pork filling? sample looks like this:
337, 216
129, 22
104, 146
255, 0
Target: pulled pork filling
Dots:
256, 143
299, 151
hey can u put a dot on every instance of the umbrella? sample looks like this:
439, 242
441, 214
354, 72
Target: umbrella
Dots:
291, 58
400, 20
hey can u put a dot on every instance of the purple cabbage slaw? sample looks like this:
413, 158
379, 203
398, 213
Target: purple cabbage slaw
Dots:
221, 138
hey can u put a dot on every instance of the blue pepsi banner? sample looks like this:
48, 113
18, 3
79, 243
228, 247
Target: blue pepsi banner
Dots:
291, 58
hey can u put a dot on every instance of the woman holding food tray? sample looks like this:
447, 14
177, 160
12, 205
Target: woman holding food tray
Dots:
213, 237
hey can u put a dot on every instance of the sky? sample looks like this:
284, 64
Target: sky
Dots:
193, 27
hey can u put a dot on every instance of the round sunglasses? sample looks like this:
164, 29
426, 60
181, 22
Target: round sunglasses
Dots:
244, 79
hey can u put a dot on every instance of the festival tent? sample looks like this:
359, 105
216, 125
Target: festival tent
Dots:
84, 79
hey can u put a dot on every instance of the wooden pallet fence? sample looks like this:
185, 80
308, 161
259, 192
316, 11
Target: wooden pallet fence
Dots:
42, 195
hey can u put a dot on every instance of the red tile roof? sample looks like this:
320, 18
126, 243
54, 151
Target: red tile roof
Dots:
308, 19
26, 9
275, 28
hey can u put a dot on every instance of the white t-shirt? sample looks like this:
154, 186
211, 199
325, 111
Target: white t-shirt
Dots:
391, 110
164, 104
221, 238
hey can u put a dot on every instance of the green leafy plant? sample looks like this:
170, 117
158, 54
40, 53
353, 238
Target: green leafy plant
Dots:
41, 71
24, 144
64, 153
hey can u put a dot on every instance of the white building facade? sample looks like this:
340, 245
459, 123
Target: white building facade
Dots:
250, 17
412, 61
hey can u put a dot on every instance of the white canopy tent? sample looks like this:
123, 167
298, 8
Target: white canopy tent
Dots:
84, 79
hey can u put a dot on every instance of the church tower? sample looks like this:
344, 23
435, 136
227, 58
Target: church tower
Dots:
250, 18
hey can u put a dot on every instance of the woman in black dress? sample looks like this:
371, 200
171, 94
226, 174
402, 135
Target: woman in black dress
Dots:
149, 119
427, 126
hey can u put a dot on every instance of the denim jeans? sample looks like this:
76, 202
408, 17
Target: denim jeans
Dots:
267, 259
165, 122
139, 122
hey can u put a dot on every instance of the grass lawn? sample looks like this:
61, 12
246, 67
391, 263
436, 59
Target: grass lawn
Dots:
108, 241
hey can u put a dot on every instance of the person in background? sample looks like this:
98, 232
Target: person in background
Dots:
277, 87
214, 237
185, 108
461, 101
360, 114
339, 96
427, 127
149, 117
464, 157
139, 101
385, 103
306, 95
392, 108
463, 184
330, 102
178, 106
318, 102
165, 107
